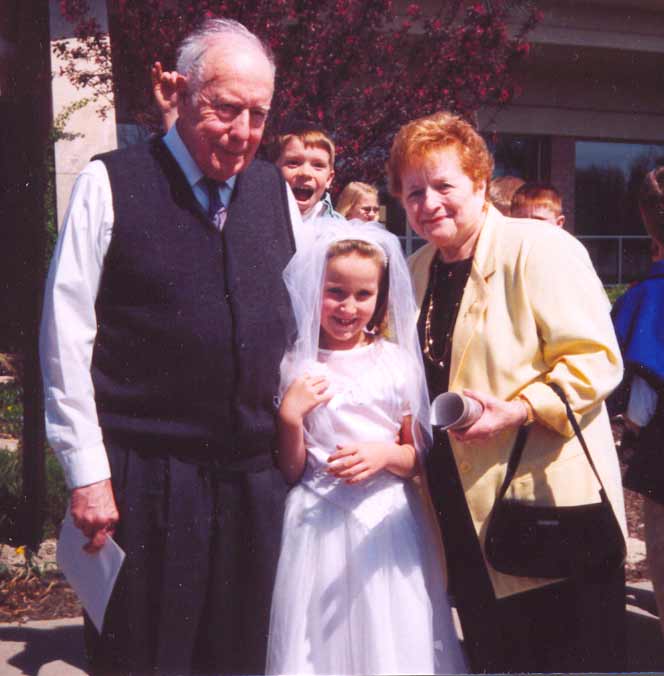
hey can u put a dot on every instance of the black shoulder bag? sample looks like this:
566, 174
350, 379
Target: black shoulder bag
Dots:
548, 541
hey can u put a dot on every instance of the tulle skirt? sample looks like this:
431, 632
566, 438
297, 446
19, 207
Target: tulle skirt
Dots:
353, 600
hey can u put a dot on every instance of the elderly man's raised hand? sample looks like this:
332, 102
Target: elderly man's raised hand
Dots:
94, 511
165, 90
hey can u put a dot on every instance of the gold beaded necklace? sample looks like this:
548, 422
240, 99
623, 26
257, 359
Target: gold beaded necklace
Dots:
440, 360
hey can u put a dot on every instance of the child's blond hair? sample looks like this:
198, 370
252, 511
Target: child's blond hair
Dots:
352, 194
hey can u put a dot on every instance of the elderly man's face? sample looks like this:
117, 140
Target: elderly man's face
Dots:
223, 127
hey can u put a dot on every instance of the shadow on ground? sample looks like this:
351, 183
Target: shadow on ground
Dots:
44, 645
645, 644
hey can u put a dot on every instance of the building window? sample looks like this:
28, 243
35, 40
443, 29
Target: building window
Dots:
527, 157
607, 180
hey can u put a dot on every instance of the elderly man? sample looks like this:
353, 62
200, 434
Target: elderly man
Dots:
164, 324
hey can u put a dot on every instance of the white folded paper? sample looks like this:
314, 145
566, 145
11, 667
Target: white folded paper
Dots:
91, 576
450, 411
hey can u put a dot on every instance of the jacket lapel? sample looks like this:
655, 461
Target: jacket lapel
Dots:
476, 294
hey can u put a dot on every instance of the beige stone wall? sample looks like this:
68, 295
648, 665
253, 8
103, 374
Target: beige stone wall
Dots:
595, 71
94, 135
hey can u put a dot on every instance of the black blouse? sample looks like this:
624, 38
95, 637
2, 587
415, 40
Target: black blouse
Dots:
440, 307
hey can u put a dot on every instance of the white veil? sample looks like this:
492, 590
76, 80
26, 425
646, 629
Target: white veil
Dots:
304, 277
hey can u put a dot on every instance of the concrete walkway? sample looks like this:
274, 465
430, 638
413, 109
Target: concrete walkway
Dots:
55, 647
45, 648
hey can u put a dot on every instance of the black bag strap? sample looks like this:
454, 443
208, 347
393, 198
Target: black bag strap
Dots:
522, 437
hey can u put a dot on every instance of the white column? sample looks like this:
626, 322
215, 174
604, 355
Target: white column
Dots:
93, 134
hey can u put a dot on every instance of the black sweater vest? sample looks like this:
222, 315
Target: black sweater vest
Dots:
192, 324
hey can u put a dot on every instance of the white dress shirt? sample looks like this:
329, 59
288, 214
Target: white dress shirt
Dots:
642, 402
69, 322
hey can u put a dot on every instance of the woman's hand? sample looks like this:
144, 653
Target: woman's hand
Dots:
303, 395
497, 416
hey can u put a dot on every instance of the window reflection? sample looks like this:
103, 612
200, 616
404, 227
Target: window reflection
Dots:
608, 176
526, 157
618, 260
607, 181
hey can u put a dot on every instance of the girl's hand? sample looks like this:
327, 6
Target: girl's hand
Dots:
357, 462
497, 416
303, 395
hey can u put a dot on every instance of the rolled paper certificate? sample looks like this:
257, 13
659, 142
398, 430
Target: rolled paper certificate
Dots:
450, 410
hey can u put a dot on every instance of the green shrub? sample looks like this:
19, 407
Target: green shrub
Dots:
11, 496
57, 496
614, 292
11, 409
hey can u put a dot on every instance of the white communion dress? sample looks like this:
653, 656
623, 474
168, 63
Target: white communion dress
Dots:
359, 587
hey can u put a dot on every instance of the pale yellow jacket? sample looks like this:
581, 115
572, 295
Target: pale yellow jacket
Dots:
533, 311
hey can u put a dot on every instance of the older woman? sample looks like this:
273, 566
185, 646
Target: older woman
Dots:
507, 306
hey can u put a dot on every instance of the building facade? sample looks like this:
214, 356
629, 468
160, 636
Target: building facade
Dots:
590, 119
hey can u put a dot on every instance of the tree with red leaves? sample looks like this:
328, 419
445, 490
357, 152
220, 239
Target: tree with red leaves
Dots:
359, 68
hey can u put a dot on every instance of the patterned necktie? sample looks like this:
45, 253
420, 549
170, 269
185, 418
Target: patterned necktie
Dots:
216, 210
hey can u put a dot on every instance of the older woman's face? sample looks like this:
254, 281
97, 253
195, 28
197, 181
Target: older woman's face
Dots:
442, 204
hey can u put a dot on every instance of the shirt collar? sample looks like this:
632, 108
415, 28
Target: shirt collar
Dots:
190, 169
314, 212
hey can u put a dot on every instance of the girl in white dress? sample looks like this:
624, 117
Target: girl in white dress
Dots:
359, 586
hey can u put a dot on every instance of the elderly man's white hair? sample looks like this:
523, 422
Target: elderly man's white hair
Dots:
192, 50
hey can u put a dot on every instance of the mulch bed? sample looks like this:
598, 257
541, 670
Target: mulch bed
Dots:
32, 587
36, 597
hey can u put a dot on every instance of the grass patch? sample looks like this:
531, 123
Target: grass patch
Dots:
614, 292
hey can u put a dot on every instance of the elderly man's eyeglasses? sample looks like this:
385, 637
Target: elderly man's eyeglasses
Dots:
227, 112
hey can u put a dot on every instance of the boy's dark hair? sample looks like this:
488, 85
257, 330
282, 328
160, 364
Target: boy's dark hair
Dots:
308, 132
537, 194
